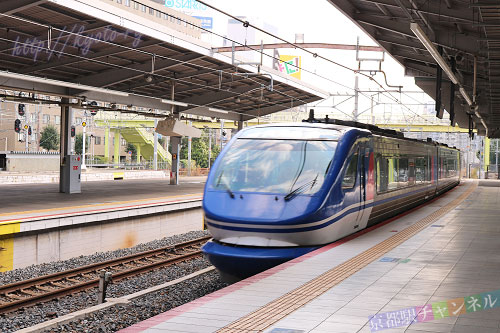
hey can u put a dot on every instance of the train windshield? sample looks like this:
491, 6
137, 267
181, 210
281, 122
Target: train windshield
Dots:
274, 166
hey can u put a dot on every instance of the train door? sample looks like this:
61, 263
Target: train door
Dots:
411, 171
366, 185
352, 194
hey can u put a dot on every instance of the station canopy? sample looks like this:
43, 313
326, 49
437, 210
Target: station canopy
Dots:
459, 31
94, 49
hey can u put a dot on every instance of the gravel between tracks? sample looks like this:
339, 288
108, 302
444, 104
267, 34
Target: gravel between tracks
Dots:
121, 316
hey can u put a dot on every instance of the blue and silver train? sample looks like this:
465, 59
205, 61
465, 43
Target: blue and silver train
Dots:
279, 191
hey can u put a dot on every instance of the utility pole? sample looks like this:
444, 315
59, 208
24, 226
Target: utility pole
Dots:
26, 126
84, 124
155, 154
221, 131
189, 151
371, 112
209, 146
356, 97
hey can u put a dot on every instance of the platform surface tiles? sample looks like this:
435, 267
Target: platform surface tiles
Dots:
29, 201
434, 269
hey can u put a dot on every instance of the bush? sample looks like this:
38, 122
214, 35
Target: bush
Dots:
49, 138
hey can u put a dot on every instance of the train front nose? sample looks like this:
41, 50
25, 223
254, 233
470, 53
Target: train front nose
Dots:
236, 263
244, 206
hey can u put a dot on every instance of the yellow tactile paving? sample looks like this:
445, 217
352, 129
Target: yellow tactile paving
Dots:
113, 204
276, 310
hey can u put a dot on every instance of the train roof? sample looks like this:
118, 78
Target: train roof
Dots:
343, 126
372, 128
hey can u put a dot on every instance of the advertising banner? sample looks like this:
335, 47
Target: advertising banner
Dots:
290, 65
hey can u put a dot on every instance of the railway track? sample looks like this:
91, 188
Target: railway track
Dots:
45, 288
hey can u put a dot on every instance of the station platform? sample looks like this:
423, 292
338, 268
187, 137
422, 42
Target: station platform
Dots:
432, 269
38, 224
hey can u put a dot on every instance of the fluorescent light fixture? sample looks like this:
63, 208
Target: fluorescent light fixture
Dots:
77, 86
433, 51
465, 96
167, 101
218, 110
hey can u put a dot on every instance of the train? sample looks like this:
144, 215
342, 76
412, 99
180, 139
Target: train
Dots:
279, 191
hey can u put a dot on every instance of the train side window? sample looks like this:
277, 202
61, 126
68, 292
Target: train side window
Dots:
392, 183
451, 167
349, 179
382, 174
420, 170
403, 174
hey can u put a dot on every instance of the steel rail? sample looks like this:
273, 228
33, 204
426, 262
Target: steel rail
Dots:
143, 262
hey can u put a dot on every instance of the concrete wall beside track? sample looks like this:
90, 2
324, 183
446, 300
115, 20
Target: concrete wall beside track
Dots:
52, 238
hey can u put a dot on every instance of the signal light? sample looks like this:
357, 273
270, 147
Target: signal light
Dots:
93, 111
17, 126
73, 131
21, 109
29, 130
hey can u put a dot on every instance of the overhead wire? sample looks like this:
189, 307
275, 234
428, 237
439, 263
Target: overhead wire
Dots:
151, 54
206, 67
315, 55
234, 94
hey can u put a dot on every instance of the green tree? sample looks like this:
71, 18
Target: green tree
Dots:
49, 138
215, 153
131, 147
79, 144
199, 149
199, 152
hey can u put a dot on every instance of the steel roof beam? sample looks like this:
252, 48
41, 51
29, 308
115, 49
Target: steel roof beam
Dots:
117, 75
493, 4
432, 8
93, 56
176, 76
271, 109
43, 37
383, 9
10, 7
406, 43
463, 43
219, 95
415, 57
419, 67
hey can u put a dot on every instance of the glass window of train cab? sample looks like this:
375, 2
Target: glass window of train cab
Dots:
351, 171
